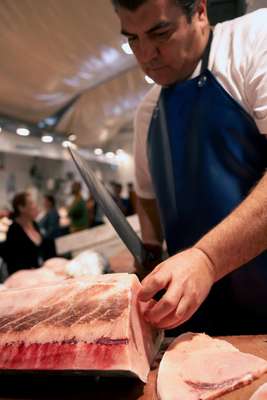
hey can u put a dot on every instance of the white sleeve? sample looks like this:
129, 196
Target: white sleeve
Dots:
142, 180
256, 78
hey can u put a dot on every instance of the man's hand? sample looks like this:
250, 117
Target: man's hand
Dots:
187, 278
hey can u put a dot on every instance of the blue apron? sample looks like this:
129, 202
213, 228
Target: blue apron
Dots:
205, 154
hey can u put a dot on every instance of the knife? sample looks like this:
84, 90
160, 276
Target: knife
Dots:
112, 211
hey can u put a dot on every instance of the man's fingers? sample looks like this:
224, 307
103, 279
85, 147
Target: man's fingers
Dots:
152, 284
178, 316
165, 306
167, 322
184, 310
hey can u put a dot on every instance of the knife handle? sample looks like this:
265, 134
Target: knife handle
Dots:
151, 257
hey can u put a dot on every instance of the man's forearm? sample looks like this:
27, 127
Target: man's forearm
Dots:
149, 221
241, 236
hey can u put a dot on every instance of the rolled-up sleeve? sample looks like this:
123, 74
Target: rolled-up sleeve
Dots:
256, 80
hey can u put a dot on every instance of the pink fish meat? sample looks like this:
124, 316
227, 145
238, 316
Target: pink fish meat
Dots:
197, 367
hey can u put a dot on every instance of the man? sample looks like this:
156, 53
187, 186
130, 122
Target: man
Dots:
201, 155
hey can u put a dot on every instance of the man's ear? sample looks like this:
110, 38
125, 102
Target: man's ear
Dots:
201, 10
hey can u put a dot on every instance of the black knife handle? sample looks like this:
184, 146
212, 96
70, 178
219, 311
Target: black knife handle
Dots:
151, 260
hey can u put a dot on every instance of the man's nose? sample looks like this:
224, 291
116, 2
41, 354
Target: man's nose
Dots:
147, 51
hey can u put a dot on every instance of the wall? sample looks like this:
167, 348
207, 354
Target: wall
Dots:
18, 173
255, 4
26, 162
42, 175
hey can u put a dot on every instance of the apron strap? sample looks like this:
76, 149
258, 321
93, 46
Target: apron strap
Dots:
166, 155
205, 58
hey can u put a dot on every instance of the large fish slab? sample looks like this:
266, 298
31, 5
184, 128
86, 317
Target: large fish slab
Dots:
90, 324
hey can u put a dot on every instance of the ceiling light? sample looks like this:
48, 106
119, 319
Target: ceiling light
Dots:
110, 154
149, 80
0, 129
126, 48
47, 138
23, 131
66, 143
119, 151
72, 137
98, 152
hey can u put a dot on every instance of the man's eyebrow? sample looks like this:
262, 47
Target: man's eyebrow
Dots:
158, 25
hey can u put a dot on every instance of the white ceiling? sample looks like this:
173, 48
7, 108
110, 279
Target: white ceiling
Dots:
57, 51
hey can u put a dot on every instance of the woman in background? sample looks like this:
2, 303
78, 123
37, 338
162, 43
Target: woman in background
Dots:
24, 243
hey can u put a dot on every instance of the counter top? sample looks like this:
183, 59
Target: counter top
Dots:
59, 387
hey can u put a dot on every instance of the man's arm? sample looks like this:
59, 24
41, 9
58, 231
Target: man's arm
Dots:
189, 275
241, 236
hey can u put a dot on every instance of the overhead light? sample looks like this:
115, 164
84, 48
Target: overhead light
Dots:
109, 154
23, 131
126, 48
119, 151
67, 143
0, 129
149, 80
72, 137
47, 138
98, 152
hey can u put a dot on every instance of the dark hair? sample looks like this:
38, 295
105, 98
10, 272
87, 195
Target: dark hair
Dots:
18, 201
188, 6
76, 187
51, 199
115, 184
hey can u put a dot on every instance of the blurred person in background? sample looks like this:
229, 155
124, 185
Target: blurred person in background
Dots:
77, 211
4, 213
117, 196
91, 209
24, 242
49, 223
95, 215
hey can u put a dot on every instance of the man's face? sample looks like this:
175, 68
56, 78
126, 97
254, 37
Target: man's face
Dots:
166, 45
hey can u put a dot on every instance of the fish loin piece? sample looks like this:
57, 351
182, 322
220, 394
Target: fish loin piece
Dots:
198, 367
56, 265
91, 324
32, 278
261, 393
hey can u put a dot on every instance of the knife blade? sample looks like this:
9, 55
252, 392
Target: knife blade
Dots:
112, 211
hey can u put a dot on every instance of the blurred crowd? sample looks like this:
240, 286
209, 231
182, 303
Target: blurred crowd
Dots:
32, 228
